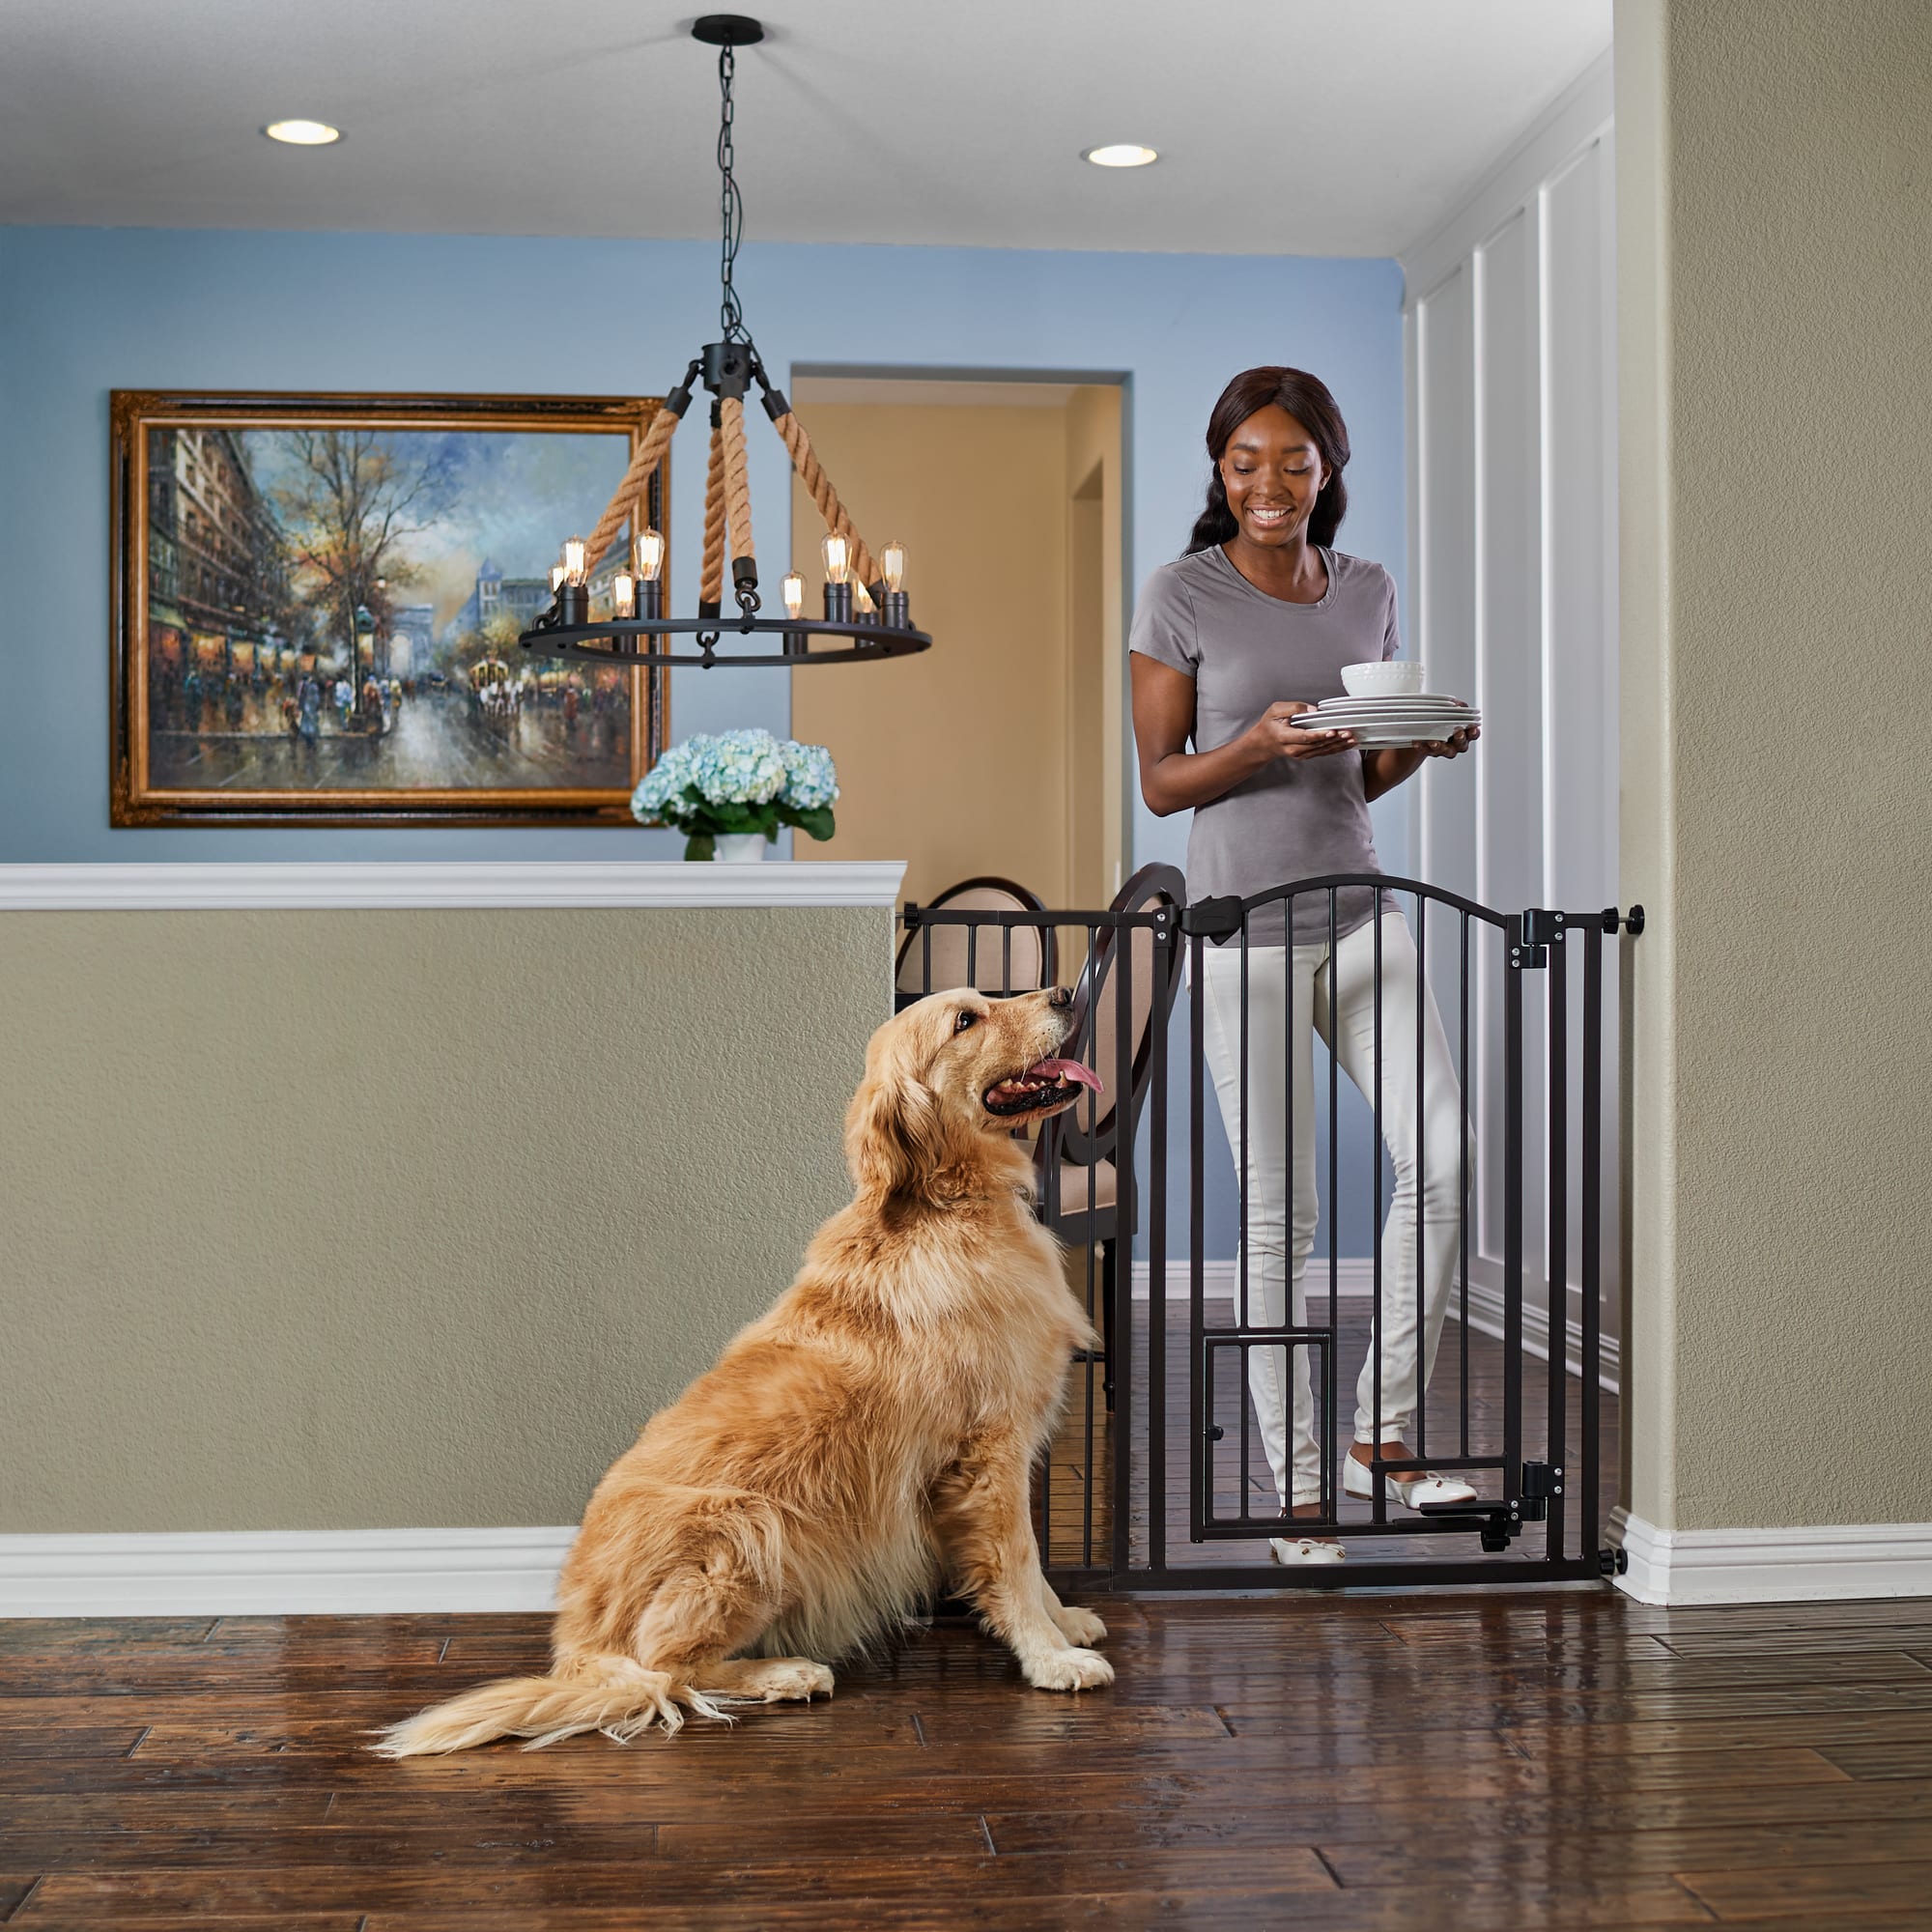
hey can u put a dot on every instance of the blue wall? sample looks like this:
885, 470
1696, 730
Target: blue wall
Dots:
83, 311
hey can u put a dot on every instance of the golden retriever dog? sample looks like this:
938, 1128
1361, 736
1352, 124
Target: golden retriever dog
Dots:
869, 1437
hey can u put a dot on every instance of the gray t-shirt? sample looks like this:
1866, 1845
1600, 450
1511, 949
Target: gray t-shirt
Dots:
1296, 818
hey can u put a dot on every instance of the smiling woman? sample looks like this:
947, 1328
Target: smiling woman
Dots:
1232, 643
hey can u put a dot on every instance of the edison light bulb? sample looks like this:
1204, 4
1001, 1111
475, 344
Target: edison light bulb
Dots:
624, 594
555, 578
892, 566
862, 599
794, 594
572, 560
833, 550
650, 549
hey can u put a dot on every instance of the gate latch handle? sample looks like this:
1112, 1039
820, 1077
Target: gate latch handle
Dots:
1212, 919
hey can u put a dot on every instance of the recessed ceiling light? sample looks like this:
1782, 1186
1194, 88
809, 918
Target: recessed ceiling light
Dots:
302, 134
1123, 155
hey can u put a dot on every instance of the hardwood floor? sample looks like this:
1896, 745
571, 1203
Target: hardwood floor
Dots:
1532, 1757
1556, 1757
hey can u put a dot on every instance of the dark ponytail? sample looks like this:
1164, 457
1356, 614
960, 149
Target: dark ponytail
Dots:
1307, 400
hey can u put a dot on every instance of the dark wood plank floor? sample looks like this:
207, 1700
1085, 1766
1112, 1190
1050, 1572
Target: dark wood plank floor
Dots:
1527, 1758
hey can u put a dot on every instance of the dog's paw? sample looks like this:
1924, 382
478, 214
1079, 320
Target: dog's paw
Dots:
798, 1679
1068, 1670
766, 1680
1078, 1625
783, 1680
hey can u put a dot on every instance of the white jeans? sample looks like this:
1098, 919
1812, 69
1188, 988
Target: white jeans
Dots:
1278, 1242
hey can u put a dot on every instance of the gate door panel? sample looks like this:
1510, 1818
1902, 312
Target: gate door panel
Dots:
1528, 1444
1162, 1414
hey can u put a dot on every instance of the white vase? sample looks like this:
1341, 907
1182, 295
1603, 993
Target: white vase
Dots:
739, 847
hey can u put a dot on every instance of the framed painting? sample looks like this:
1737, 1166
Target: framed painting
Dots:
317, 601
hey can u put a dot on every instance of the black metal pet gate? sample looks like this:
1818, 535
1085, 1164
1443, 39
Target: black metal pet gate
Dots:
1157, 1480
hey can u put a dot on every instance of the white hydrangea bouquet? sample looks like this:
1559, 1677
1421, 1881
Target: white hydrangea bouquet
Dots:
738, 781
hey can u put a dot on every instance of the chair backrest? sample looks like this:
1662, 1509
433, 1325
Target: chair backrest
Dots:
1081, 1137
994, 956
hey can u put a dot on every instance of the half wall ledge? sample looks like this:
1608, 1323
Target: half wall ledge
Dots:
401, 885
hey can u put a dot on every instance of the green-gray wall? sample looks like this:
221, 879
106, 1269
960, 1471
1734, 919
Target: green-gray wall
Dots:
1775, 265
363, 1219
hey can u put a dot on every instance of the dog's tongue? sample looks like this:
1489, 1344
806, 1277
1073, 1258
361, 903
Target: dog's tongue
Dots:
1064, 1070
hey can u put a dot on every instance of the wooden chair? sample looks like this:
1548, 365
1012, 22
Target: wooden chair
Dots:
993, 957
1078, 1155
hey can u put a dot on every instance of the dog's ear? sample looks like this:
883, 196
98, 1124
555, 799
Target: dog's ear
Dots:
893, 1136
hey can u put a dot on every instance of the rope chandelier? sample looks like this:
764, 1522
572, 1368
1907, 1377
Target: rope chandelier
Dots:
866, 602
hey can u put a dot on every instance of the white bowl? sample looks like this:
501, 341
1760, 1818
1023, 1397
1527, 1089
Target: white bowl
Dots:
1394, 678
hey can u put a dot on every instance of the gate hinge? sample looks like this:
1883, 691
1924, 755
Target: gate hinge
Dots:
1539, 1482
1212, 919
1538, 931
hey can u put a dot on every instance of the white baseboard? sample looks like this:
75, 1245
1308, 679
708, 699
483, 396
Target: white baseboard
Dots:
400, 1571
1814, 1564
281, 1572
1355, 1276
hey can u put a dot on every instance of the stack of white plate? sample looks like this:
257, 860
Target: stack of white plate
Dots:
1380, 724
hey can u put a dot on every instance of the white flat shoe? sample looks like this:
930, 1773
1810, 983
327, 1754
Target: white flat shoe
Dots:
1411, 1490
1292, 1551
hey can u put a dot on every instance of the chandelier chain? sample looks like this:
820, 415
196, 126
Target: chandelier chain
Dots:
730, 317
638, 635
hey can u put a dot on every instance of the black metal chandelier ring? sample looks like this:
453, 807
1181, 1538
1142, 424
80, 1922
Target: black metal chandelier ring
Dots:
871, 643
865, 598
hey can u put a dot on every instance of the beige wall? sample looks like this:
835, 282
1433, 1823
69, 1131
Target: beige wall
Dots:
1098, 729
1775, 371
965, 759
322, 1220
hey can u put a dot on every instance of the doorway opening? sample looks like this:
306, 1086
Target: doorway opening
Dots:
1003, 750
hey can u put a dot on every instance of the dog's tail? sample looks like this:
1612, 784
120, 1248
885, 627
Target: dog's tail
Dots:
619, 1698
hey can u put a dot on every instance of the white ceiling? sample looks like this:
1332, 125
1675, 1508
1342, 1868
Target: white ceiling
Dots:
1308, 126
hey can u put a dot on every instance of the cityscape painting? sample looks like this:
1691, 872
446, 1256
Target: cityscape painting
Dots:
320, 599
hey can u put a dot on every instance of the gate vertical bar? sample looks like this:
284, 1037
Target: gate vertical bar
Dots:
1421, 1160
1556, 1056
1244, 1318
1167, 957
1127, 1219
1590, 1364
1377, 1330
1331, 1485
1462, 1178
1513, 1220
1197, 1457
1087, 1259
1296, 1317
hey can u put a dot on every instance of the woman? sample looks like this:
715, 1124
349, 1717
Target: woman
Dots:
1251, 626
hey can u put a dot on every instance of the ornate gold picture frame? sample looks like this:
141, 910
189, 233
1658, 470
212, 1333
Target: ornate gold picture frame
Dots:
316, 600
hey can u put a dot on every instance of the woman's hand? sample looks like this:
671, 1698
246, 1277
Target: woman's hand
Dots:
1382, 771
1453, 745
1274, 733
1175, 779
